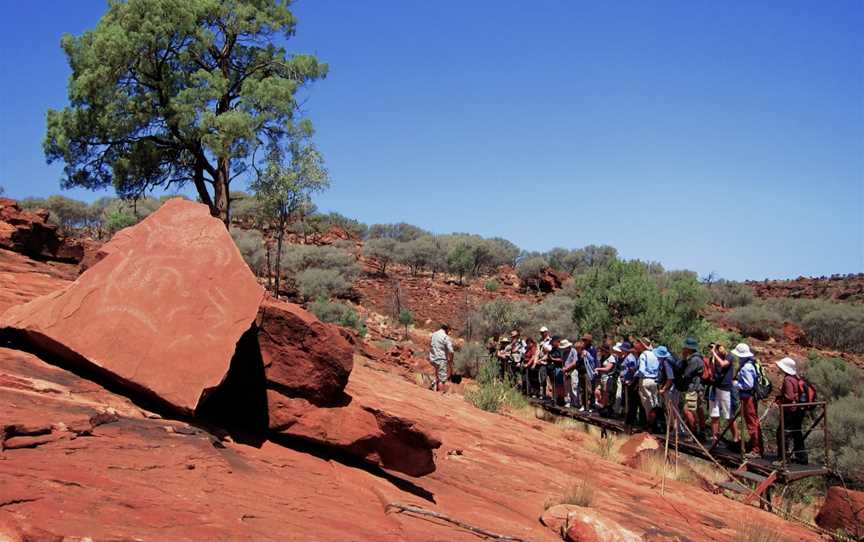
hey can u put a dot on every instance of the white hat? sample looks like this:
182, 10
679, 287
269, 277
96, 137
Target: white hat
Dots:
742, 351
544, 329
565, 343
787, 365
617, 348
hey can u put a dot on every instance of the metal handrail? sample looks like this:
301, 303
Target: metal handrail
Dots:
822, 418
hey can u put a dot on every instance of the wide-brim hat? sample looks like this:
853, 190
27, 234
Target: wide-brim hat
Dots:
787, 365
691, 344
617, 348
662, 352
544, 329
742, 351
565, 344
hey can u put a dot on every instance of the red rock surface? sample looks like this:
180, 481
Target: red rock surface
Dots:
22, 279
845, 288
843, 509
302, 356
30, 233
173, 287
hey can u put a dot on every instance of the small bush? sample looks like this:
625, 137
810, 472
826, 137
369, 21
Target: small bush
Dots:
750, 529
579, 493
492, 394
492, 285
756, 321
468, 359
731, 294
846, 428
296, 258
833, 377
314, 283
529, 271
406, 318
836, 326
338, 313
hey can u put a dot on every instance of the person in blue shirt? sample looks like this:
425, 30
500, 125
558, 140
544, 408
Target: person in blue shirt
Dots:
588, 367
629, 391
746, 384
647, 371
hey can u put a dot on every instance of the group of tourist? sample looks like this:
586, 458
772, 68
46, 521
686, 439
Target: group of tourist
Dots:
650, 386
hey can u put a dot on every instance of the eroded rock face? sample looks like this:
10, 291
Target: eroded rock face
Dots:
303, 357
32, 234
160, 314
843, 509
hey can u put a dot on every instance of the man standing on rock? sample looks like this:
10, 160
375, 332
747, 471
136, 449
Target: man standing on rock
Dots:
441, 356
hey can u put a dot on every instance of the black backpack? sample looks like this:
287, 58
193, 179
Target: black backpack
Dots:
677, 371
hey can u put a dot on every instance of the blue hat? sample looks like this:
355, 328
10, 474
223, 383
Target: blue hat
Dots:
626, 347
662, 352
691, 344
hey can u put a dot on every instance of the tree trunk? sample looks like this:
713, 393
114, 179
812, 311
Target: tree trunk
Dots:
221, 200
279, 235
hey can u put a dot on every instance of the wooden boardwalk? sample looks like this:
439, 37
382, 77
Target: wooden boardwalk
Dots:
728, 458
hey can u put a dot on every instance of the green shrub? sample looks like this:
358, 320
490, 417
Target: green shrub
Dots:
529, 271
406, 318
338, 313
492, 394
468, 359
833, 377
117, 219
251, 246
496, 317
729, 294
492, 285
846, 429
314, 283
836, 326
296, 258
756, 321
382, 250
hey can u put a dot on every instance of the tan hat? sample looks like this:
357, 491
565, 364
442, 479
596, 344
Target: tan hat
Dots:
544, 329
565, 344
787, 365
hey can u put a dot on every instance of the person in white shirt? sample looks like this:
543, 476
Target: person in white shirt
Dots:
441, 356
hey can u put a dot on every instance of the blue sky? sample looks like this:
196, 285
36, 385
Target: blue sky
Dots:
712, 136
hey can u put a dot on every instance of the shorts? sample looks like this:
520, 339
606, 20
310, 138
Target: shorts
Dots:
721, 405
692, 400
649, 394
441, 369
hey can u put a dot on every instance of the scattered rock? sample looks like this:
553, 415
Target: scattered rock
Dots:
160, 314
30, 233
638, 445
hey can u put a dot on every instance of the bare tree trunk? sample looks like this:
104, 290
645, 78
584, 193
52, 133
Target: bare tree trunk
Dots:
221, 200
280, 234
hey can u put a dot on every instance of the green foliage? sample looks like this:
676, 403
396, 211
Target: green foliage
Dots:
167, 92
382, 250
496, 317
250, 243
626, 298
400, 232
117, 219
556, 313
354, 228
317, 283
492, 285
837, 326
406, 317
846, 427
575, 261
338, 313
298, 258
468, 359
730, 294
756, 321
425, 252
529, 271
246, 207
833, 377
492, 394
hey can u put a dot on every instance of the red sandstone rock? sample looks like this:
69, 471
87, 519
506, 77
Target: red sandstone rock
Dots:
303, 357
794, 333
161, 313
633, 450
23, 279
366, 433
843, 509
31, 234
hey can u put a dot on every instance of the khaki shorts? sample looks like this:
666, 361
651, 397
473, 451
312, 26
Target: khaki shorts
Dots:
692, 400
649, 394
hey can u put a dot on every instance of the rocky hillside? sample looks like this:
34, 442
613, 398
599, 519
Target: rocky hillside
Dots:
845, 288
161, 396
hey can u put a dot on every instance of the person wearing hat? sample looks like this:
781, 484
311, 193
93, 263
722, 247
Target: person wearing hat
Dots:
608, 372
571, 379
555, 370
517, 350
503, 357
544, 346
745, 383
720, 394
646, 374
670, 367
793, 417
690, 384
629, 391
441, 356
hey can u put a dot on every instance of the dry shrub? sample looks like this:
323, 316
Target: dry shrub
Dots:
751, 529
579, 493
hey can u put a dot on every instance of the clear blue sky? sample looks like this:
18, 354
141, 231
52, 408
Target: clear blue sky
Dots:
725, 136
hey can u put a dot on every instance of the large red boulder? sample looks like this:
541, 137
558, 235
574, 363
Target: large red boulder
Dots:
843, 509
160, 314
303, 357
364, 432
30, 233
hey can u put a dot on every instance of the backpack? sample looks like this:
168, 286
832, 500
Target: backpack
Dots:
677, 371
806, 393
763, 387
707, 371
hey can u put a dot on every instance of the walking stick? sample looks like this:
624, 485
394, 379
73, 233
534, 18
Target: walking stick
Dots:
665, 452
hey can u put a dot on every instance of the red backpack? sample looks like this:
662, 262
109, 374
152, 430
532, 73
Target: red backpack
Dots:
806, 393
707, 370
